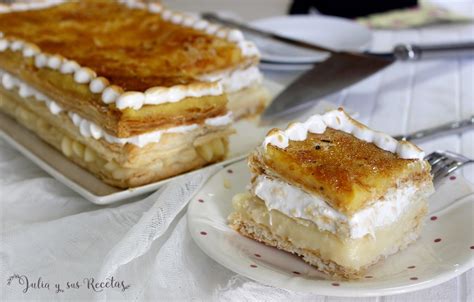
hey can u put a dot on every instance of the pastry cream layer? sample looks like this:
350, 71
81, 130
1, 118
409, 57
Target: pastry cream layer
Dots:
294, 202
354, 254
124, 166
248, 102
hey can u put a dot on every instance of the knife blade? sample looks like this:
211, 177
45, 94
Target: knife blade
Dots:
344, 69
341, 70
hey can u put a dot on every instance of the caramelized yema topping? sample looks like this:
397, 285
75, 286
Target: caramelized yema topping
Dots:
132, 48
344, 170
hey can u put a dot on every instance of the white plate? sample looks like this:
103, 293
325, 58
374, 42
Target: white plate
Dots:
284, 67
343, 35
425, 263
86, 184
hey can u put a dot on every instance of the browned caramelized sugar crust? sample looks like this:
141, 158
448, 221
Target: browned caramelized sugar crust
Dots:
345, 171
132, 48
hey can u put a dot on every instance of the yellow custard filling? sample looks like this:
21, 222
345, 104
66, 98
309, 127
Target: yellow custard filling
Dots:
347, 252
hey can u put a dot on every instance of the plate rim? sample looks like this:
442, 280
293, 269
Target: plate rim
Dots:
307, 60
272, 67
324, 290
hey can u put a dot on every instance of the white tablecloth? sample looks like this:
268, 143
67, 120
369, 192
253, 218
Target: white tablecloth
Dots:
49, 232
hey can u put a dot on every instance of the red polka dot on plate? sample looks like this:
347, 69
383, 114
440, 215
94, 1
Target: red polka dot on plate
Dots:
414, 278
257, 255
201, 200
335, 284
411, 267
297, 273
230, 171
203, 233
452, 177
472, 247
433, 218
437, 240
253, 266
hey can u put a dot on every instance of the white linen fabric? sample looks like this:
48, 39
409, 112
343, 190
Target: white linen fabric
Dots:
49, 232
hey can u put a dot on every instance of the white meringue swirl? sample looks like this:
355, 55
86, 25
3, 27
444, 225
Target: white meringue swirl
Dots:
339, 120
90, 129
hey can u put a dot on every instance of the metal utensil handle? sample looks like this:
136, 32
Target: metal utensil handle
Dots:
410, 52
453, 127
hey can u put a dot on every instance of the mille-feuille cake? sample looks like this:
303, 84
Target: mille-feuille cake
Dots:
129, 90
336, 193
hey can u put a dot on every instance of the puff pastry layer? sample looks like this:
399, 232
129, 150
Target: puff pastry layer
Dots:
121, 166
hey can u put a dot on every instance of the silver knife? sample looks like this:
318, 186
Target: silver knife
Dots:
341, 70
449, 128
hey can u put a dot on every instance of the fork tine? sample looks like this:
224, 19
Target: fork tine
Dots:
431, 156
434, 157
438, 157
440, 177
443, 163
446, 169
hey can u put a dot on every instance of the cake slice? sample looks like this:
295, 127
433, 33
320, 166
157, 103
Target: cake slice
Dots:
336, 193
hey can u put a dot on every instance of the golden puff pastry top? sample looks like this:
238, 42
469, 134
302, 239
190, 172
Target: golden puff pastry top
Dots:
132, 48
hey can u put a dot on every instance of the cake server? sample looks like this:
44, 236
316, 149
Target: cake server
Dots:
340, 70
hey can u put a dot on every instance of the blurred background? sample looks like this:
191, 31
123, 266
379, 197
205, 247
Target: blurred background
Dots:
251, 10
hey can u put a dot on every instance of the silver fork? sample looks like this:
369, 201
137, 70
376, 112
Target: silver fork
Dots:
443, 163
